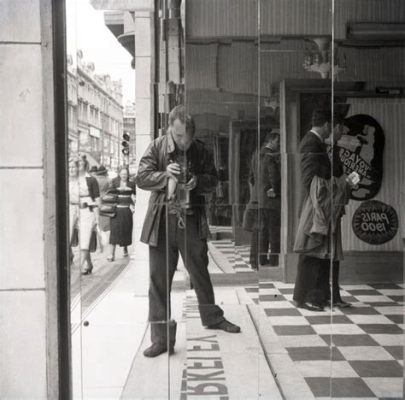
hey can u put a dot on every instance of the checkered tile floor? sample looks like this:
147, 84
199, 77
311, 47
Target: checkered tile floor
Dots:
364, 342
238, 256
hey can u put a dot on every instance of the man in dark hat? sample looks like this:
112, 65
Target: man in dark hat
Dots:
93, 171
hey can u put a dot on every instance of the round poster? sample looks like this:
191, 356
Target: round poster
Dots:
361, 150
375, 222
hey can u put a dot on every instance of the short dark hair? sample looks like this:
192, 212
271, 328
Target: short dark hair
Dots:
179, 112
320, 117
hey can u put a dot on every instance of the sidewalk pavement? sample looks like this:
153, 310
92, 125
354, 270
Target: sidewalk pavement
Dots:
107, 349
205, 361
282, 352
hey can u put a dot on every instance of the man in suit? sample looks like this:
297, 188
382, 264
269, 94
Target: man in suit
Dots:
312, 282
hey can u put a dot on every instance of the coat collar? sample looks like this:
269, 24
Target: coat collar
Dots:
171, 146
317, 135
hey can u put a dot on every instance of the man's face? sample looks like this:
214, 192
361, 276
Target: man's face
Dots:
182, 134
337, 132
275, 143
326, 130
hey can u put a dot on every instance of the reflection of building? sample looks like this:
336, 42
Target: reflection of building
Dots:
158, 58
95, 114
129, 128
237, 88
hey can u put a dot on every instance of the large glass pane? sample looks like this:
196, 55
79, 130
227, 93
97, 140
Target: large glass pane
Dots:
221, 97
368, 336
109, 303
295, 108
73, 153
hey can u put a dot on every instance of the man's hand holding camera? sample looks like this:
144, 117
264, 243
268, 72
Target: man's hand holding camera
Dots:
191, 184
173, 170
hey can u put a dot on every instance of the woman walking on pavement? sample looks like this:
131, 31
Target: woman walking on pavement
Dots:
104, 184
84, 198
121, 224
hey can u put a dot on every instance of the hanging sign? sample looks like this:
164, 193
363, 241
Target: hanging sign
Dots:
375, 222
361, 150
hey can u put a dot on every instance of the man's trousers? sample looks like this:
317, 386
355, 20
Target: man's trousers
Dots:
162, 264
269, 220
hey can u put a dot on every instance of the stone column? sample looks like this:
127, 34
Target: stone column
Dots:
144, 100
28, 258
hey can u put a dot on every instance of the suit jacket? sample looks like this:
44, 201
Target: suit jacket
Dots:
315, 161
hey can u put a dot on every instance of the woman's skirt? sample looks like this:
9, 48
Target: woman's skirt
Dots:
121, 227
84, 220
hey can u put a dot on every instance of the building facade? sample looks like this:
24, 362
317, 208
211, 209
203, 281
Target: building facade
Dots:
95, 114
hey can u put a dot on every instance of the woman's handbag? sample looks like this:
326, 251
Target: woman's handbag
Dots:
108, 207
108, 210
93, 242
109, 198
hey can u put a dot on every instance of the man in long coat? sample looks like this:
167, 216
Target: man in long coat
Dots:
171, 227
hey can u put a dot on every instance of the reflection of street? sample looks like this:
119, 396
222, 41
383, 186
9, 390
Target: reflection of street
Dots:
86, 289
282, 352
277, 339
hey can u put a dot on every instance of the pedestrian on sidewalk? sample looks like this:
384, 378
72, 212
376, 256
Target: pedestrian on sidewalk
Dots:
319, 171
103, 222
84, 199
265, 181
178, 226
121, 224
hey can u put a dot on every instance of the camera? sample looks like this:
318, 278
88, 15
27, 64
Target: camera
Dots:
182, 194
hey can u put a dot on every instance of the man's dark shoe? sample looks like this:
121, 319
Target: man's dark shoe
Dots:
157, 349
310, 306
226, 326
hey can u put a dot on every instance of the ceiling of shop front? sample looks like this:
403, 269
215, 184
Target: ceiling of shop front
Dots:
211, 19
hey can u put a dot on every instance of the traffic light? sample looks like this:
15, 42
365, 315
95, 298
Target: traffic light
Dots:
125, 143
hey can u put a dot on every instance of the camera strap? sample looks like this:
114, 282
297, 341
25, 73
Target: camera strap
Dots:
179, 212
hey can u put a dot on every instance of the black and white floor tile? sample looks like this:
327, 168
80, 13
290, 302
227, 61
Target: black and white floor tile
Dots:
356, 352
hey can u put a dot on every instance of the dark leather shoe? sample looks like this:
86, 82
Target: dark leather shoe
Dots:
226, 326
157, 349
310, 306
